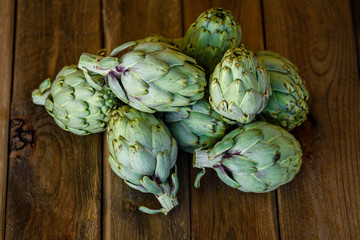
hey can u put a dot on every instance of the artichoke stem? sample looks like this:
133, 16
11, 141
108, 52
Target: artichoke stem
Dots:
40, 95
166, 199
201, 159
167, 202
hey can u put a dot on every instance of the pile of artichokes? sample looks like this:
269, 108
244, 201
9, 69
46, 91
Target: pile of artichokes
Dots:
206, 93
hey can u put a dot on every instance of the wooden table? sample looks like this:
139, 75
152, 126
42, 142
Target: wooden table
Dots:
56, 185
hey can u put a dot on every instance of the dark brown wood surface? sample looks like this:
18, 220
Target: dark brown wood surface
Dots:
54, 177
355, 10
56, 185
323, 202
7, 15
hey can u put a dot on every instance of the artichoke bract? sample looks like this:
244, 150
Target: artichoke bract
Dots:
287, 107
239, 87
142, 152
152, 77
257, 157
196, 126
74, 104
210, 36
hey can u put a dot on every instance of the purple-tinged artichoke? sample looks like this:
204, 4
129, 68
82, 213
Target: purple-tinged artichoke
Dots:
143, 153
257, 157
152, 77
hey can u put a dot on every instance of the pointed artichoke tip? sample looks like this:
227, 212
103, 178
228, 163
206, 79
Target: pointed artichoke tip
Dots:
122, 47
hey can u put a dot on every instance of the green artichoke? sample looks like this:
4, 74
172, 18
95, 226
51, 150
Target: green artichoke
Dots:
74, 104
287, 107
143, 152
239, 87
214, 32
196, 126
152, 77
257, 157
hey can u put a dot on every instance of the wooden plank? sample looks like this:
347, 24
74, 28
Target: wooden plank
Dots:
54, 176
7, 15
355, 9
323, 202
133, 20
218, 211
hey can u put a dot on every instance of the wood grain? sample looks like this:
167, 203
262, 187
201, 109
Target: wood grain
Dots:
218, 211
323, 202
133, 20
55, 178
355, 9
54, 183
7, 15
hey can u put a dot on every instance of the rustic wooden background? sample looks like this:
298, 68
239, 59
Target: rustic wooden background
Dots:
55, 185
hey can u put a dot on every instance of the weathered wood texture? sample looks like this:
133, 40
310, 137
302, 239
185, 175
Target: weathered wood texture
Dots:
124, 21
323, 202
218, 211
355, 9
55, 178
7, 15
54, 183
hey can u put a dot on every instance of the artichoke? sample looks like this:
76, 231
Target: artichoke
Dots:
196, 126
287, 107
257, 157
142, 152
74, 104
239, 87
214, 32
152, 77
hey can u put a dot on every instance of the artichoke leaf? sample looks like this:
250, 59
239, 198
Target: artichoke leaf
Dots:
137, 187
151, 186
120, 48
116, 87
135, 103
239, 164
175, 183
250, 183
198, 177
151, 68
225, 178
252, 102
160, 138
142, 161
263, 153
162, 169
